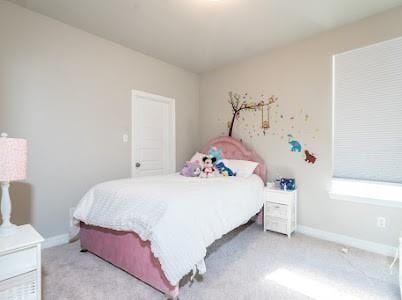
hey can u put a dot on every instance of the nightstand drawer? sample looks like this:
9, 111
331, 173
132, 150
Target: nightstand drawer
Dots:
276, 224
280, 197
276, 210
19, 262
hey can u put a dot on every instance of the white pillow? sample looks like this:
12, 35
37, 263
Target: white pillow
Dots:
242, 168
197, 156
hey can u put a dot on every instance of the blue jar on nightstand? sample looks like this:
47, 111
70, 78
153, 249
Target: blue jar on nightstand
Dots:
287, 184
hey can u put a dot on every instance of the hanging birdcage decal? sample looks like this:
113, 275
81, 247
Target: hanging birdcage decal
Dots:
264, 120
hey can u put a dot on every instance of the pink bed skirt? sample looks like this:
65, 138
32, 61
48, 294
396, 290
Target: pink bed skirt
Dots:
127, 251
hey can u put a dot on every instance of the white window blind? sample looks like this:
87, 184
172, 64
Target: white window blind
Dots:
367, 87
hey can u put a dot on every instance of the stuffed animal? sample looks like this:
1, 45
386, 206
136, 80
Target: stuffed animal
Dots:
223, 170
208, 168
215, 152
191, 169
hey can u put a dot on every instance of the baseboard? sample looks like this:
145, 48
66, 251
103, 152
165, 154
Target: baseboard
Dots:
56, 241
317, 233
348, 241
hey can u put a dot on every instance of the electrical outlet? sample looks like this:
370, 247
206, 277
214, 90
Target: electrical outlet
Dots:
72, 209
381, 222
125, 138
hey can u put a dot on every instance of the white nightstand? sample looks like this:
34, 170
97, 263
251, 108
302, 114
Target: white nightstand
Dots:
20, 264
280, 210
400, 264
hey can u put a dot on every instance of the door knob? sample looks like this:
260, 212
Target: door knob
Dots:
137, 165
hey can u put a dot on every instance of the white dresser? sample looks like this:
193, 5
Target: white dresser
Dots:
400, 264
20, 264
280, 210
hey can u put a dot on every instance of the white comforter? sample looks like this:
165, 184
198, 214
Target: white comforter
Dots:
180, 216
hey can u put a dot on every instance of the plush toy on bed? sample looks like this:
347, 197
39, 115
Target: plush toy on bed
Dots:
219, 164
191, 169
215, 152
224, 170
208, 168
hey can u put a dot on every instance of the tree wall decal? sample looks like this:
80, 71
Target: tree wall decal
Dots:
238, 106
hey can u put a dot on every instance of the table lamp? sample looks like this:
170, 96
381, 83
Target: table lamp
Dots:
13, 165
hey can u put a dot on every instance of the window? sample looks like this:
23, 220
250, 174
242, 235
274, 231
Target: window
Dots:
367, 137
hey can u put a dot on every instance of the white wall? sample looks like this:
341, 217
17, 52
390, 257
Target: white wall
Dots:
300, 75
68, 92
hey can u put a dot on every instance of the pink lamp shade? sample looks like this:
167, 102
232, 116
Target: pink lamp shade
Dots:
13, 159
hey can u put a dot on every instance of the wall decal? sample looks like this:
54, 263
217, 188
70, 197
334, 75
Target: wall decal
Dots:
258, 117
310, 157
239, 105
295, 146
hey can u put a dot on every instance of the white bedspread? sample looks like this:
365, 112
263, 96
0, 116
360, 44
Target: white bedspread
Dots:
180, 216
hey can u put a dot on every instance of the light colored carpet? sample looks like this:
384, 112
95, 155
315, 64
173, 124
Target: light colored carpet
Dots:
245, 264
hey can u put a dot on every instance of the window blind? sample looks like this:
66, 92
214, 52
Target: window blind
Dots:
367, 90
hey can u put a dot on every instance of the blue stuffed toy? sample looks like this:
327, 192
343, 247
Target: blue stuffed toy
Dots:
225, 171
215, 152
219, 165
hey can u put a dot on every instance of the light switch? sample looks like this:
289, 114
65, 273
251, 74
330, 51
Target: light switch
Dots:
125, 138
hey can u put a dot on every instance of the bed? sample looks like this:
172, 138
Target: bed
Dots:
166, 235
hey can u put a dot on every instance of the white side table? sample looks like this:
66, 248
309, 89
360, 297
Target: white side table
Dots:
400, 264
20, 264
280, 211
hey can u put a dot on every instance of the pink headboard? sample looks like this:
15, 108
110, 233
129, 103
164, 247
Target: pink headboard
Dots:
234, 149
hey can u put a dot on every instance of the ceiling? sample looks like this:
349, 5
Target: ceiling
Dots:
200, 35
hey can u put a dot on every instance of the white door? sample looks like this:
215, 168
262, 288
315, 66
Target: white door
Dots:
153, 135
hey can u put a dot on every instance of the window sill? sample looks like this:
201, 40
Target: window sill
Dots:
369, 192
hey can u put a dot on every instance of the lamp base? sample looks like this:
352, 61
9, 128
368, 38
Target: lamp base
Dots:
7, 230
